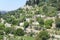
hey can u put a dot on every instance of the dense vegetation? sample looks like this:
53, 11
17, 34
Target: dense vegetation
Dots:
40, 11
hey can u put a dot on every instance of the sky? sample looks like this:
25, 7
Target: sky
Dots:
8, 5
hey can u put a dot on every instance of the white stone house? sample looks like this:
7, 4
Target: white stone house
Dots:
7, 25
47, 18
38, 15
19, 27
29, 7
2, 20
28, 19
21, 24
43, 16
33, 30
35, 23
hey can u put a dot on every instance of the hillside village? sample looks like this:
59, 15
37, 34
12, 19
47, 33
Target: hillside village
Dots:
32, 20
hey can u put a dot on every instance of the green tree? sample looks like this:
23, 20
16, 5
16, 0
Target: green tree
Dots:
53, 2
22, 18
48, 23
58, 5
43, 35
33, 2
2, 26
19, 32
26, 24
49, 10
1, 37
9, 30
1, 34
41, 21
15, 22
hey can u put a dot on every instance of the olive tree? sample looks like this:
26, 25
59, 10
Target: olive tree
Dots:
19, 32
48, 23
43, 35
2, 26
41, 21
26, 24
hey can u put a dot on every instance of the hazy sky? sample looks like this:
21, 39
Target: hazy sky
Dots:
8, 5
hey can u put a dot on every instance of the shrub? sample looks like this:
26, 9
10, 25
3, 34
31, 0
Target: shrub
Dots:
43, 35
2, 26
19, 32
48, 23
9, 30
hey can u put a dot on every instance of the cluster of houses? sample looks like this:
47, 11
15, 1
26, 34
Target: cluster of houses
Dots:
34, 25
